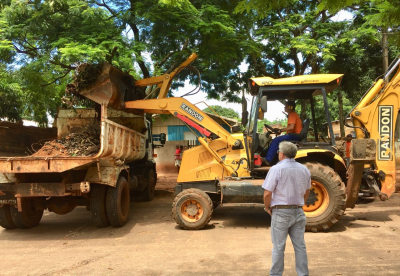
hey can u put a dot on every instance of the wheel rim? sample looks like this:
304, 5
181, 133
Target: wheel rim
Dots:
192, 210
318, 201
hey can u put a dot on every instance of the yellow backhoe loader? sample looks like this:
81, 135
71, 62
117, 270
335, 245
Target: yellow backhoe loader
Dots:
222, 168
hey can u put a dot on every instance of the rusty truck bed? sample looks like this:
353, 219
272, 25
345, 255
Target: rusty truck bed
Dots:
118, 145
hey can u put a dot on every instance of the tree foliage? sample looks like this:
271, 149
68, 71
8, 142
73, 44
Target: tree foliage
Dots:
46, 40
305, 37
260, 123
11, 97
222, 111
384, 14
42, 42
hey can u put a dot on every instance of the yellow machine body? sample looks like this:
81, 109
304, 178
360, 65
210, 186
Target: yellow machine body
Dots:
377, 113
198, 164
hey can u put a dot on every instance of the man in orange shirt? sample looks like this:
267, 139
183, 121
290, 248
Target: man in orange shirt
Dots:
293, 129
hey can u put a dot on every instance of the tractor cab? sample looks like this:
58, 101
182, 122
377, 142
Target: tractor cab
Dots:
306, 87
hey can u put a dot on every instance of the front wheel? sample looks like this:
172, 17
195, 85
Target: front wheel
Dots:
327, 200
192, 209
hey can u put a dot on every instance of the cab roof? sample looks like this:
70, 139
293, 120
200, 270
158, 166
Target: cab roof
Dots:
298, 87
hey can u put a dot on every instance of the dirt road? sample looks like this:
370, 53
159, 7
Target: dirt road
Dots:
366, 241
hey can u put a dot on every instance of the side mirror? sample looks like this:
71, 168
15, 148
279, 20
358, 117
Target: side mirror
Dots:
263, 104
235, 129
163, 138
245, 116
245, 113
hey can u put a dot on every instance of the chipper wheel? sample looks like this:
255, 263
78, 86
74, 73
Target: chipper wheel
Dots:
29, 217
327, 200
5, 217
192, 209
118, 203
98, 205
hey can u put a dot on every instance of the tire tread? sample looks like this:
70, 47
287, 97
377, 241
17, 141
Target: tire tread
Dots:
113, 199
338, 187
175, 211
98, 205
5, 217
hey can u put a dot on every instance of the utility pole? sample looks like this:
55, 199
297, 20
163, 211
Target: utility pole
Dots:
385, 47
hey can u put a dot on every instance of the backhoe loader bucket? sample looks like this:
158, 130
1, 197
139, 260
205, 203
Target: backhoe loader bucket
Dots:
112, 88
362, 152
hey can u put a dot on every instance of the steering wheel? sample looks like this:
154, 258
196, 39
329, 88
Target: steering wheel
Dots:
273, 130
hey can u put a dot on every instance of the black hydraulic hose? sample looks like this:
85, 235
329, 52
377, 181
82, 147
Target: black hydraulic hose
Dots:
197, 88
240, 161
365, 131
392, 65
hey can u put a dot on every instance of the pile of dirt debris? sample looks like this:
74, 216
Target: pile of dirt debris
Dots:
85, 142
85, 75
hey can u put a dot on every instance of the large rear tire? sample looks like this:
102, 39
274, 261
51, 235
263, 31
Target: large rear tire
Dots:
327, 200
29, 217
118, 202
192, 209
148, 193
5, 217
98, 205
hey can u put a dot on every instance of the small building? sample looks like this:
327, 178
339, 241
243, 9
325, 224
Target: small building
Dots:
178, 134
347, 130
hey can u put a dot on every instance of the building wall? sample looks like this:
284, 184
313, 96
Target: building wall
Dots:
347, 130
165, 159
19, 140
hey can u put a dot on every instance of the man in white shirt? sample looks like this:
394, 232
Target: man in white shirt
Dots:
287, 187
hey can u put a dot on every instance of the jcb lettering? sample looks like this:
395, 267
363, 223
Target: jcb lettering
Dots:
385, 133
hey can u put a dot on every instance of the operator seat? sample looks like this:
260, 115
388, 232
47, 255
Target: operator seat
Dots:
303, 132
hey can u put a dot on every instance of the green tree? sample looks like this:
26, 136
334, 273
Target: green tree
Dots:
295, 38
362, 65
43, 41
46, 40
260, 123
222, 111
301, 37
11, 97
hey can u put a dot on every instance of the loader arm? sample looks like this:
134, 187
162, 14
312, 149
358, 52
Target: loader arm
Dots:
183, 107
180, 107
164, 81
376, 113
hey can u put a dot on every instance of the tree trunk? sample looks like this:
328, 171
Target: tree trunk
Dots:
341, 119
385, 47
